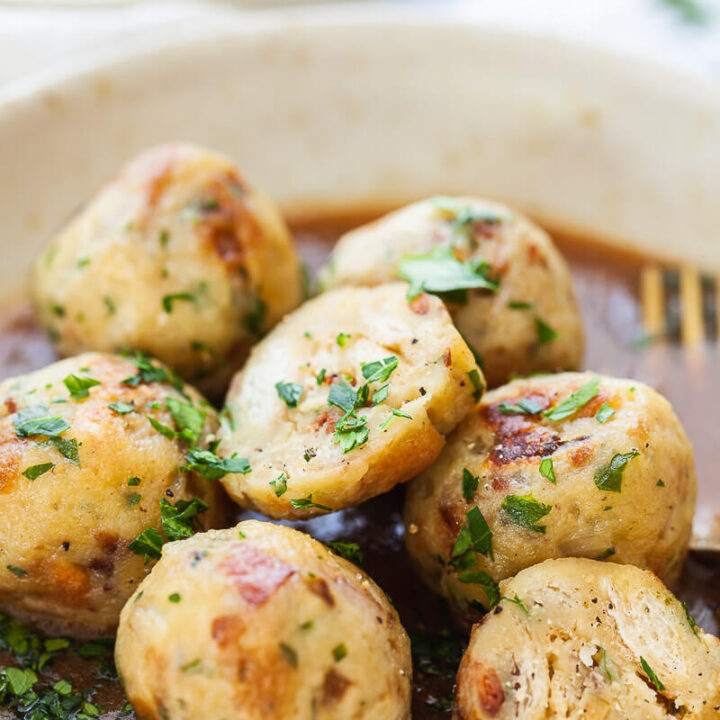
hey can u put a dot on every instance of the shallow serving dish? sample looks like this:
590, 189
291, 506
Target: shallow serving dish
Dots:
343, 112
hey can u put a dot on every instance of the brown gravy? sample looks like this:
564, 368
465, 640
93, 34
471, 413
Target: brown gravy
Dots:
607, 284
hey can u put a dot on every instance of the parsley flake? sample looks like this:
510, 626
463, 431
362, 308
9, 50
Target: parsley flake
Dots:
547, 470
79, 387
469, 484
307, 504
208, 464
525, 510
609, 478
290, 392
349, 550
279, 485
604, 413
168, 300
35, 471
651, 675
571, 404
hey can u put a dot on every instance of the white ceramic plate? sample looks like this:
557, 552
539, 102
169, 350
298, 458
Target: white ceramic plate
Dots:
350, 106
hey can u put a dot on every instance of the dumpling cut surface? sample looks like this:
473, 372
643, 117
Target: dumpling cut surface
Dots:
568, 465
577, 639
92, 470
176, 256
350, 395
261, 622
525, 320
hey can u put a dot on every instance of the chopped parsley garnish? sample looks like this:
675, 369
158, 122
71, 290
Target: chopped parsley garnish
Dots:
660, 483
605, 665
309, 454
121, 408
524, 406
470, 484
254, 319
148, 543
175, 598
169, 433
351, 431
343, 396
489, 586
438, 654
439, 271
164, 238
79, 387
547, 470
379, 370
380, 395
349, 550
606, 554
189, 419
181, 519
168, 300
178, 521
133, 499
477, 383
342, 338
289, 392
610, 477
279, 485
289, 655
133, 481
33, 420
148, 372
690, 620
393, 413
307, 503
545, 333
474, 536
520, 305
69, 448
35, 471
571, 404
604, 413
651, 675
517, 601
339, 652
320, 377
17, 571
109, 305
525, 510
211, 466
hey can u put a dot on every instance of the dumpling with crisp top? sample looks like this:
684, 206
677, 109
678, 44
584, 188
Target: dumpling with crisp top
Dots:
176, 256
350, 395
95, 456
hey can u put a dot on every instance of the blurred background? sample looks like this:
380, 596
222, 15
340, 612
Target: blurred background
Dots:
37, 35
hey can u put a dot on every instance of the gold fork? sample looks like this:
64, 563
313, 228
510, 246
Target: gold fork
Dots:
681, 316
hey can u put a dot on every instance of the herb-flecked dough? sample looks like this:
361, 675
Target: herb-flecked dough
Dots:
261, 622
527, 322
83, 474
576, 638
176, 256
350, 395
568, 465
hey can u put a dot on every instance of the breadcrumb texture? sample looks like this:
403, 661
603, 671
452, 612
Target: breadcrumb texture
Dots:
325, 343
266, 624
500, 326
176, 256
641, 516
65, 565
592, 640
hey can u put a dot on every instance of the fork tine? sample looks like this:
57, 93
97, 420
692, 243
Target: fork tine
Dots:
652, 297
691, 306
